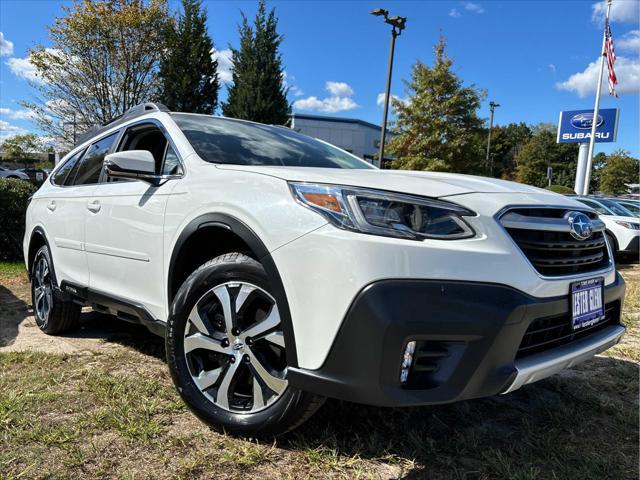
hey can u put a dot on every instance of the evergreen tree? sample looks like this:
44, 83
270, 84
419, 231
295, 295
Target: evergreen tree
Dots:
188, 72
258, 92
542, 151
619, 170
438, 128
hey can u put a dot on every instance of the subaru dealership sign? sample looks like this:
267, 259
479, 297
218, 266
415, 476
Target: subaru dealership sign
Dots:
575, 126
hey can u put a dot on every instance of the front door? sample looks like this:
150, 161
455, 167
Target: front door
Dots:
124, 239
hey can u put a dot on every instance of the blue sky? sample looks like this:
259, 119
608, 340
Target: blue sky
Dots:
534, 58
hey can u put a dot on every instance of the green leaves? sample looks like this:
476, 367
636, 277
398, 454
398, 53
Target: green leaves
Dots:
258, 91
437, 128
619, 169
189, 78
542, 151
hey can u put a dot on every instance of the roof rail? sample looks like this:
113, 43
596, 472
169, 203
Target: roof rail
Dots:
133, 112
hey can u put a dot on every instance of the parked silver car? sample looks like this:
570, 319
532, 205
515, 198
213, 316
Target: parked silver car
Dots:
6, 173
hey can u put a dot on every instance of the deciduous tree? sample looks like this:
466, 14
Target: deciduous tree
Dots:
189, 78
103, 60
542, 151
619, 169
22, 148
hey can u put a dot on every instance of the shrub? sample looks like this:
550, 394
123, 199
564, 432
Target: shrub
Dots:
560, 189
14, 197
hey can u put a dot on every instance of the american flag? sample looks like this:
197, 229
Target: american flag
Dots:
610, 53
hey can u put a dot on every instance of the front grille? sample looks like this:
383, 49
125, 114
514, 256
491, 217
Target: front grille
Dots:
553, 252
549, 332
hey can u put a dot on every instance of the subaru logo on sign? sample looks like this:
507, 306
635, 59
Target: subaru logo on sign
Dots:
584, 121
580, 225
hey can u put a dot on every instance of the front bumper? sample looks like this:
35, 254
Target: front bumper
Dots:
478, 326
633, 247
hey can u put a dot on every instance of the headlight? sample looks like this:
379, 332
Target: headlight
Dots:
631, 225
384, 213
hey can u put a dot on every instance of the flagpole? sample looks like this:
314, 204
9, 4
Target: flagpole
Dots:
596, 107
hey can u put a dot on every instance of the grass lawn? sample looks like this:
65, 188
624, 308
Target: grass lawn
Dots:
115, 414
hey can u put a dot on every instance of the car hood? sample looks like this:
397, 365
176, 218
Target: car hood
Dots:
620, 218
430, 184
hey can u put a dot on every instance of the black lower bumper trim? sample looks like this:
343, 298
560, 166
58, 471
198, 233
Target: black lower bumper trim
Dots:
467, 338
633, 248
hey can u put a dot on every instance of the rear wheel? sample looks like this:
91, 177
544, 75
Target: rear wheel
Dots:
227, 354
52, 314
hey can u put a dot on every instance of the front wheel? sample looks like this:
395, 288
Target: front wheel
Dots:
227, 354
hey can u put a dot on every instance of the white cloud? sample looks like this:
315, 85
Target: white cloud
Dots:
454, 13
17, 114
552, 67
327, 105
293, 89
473, 7
6, 47
381, 96
584, 83
628, 41
296, 91
225, 64
8, 130
339, 89
621, 11
339, 101
23, 68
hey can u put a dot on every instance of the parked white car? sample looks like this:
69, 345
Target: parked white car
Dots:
7, 173
283, 270
623, 227
632, 205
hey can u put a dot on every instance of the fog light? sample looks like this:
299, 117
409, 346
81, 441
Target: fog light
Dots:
407, 360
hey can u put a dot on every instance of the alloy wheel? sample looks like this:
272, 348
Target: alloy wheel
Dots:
234, 347
42, 290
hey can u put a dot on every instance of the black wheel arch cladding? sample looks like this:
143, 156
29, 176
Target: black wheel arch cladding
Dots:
261, 254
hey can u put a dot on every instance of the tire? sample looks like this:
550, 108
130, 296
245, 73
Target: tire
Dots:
53, 315
612, 242
226, 351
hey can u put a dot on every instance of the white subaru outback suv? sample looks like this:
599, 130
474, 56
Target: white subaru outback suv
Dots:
282, 270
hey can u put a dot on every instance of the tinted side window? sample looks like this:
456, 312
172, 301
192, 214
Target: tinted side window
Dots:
91, 164
146, 137
598, 208
62, 173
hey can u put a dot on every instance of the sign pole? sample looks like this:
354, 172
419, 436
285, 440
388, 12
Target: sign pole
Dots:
583, 154
594, 122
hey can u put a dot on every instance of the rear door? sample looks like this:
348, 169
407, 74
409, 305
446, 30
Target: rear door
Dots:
67, 210
124, 239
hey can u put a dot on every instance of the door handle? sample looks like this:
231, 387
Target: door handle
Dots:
51, 205
94, 206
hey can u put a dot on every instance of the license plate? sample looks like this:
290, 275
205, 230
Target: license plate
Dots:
587, 302
39, 176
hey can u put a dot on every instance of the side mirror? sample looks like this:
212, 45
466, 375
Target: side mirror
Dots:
136, 164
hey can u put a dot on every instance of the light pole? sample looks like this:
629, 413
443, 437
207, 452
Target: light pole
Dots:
397, 25
492, 107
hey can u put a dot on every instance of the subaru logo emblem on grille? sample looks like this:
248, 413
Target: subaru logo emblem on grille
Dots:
580, 225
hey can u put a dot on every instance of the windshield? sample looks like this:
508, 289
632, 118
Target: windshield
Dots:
224, 140
616, 208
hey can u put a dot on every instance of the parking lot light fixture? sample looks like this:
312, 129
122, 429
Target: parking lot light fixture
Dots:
397, 26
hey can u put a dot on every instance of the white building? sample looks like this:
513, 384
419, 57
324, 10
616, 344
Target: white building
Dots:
351, 134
